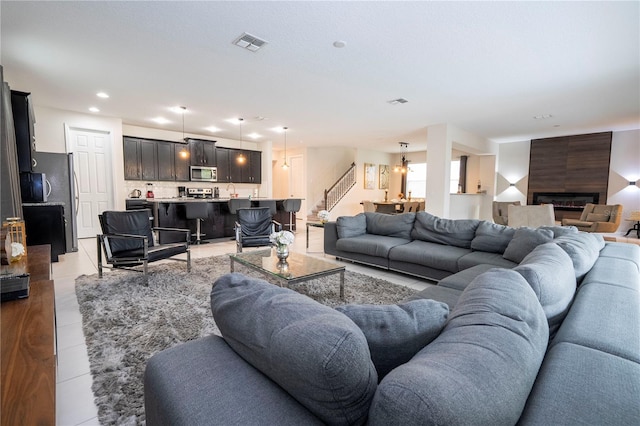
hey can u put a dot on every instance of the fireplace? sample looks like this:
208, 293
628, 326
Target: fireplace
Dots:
570, 201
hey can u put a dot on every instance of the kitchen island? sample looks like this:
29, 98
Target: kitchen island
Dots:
171, 213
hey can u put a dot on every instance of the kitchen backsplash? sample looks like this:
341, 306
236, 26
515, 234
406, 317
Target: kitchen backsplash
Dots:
170, 189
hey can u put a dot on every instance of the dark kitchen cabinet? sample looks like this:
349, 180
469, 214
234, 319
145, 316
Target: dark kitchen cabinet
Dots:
140, 159
230, 170
148, 159
182, 162
44, 224
203, 152
253, 172
23, 122
166, 161
131, 154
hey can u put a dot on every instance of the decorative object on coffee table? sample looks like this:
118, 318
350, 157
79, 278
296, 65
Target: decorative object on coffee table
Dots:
324, 216
281, 240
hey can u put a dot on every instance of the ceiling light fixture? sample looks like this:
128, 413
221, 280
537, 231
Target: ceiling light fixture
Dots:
398, 101
212, 129
249, 42
94, 109
160, 120
285, 166
402, 168
102, 95
184, 153
241, 159
339, 44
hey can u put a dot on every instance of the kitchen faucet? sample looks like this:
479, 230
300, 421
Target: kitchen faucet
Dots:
231, 194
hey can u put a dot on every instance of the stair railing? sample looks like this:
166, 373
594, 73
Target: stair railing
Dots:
339, 189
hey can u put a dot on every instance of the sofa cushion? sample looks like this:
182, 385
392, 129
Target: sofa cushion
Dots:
395, 333
198, 381
492, 237
460, 280
622, 251
606, 318
560, 230
459, 233
433, 255
370, 244
480, 369
613, 271
391, 225
582, 386
351, 226
482, 257
318, 355
583, 249
448, 296
549, 272
524, 241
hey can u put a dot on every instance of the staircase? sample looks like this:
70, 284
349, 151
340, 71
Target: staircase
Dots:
334, 194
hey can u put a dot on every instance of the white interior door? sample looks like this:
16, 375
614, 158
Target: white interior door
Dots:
297, 183
92, 165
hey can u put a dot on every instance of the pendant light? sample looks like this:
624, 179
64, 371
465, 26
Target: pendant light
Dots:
402, 168
285, 166
184, 152
241, 159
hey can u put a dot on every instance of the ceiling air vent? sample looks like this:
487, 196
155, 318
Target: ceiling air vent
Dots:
249, 42
398, 101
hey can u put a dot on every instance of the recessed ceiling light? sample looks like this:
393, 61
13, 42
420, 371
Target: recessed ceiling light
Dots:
339, 44
102, 95
94, 109
249, 42
161, 120
212, 129
398, 101
254, 135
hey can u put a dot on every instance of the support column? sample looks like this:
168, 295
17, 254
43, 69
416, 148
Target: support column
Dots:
439, 145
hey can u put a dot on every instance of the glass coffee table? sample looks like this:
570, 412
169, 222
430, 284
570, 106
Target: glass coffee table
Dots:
298, 267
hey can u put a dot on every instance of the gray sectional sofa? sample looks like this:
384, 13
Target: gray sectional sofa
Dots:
543, 330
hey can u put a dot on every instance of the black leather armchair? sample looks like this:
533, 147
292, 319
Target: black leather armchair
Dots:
127, 242
254, 226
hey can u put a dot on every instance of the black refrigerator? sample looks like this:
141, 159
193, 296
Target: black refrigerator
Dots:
61, 184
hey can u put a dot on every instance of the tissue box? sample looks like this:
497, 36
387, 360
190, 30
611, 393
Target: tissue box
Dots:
14, 287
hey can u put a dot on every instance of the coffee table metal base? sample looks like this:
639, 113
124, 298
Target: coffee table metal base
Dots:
298, 268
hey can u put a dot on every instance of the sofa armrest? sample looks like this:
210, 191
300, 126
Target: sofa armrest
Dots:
330, 238
204, 381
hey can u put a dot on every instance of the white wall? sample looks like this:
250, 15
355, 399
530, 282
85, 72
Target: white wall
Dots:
50, 137
624, 168
513, 167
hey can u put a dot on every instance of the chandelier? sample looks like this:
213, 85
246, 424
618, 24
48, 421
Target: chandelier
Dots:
402, 168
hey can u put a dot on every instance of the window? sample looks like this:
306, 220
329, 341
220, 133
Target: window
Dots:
455, 176
417, 180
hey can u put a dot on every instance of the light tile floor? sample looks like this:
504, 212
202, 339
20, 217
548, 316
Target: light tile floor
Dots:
74, 398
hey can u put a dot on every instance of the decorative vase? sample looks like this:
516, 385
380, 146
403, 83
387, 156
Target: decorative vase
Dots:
283, 266
282, 251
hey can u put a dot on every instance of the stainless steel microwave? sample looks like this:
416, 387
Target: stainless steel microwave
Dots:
204, 174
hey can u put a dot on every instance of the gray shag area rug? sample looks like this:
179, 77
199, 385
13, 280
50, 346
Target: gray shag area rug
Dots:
126, 322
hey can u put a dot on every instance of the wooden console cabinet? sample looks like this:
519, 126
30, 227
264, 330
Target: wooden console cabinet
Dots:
28, 364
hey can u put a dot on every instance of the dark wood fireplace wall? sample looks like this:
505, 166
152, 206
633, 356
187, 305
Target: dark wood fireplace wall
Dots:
574, 164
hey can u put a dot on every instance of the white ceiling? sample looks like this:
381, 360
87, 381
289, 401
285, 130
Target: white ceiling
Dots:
485, 67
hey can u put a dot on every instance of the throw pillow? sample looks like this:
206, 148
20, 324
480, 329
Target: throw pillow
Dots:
597, 217
583, 248
318, 355
524, 241
351, 226
395, 333
390, 225
492, 237
433, 229
549, 272
480, 369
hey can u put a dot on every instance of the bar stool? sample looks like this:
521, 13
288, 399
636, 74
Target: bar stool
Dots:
291, 205
268, 203
197, 210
